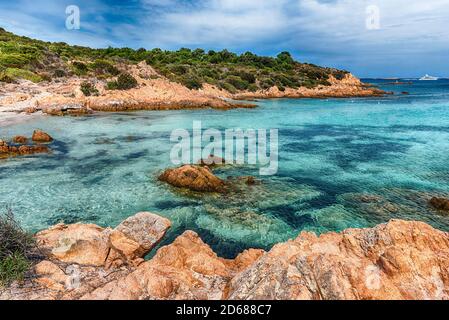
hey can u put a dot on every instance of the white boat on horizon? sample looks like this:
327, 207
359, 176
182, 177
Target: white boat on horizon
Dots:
428, 78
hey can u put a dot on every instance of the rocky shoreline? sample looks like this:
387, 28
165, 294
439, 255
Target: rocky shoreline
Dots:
396, 260
155, 92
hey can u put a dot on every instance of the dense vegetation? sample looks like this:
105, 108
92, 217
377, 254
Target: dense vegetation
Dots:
21, 57
16, 249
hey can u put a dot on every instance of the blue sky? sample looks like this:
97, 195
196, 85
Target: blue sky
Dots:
413, 38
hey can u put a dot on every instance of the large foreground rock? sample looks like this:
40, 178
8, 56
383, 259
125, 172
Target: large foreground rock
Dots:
137, 235
85, 244
88, 244
185, 269
193, 177
397, 260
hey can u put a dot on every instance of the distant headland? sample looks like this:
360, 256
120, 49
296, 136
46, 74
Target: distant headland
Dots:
60, 79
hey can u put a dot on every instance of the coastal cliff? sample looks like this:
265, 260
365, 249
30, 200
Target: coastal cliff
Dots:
59, 79
396, 260
57, 98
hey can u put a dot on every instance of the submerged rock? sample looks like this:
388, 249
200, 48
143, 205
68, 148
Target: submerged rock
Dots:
194, 178
238, 224
250, 181
440, 203
212, 161
41, 136
25, 150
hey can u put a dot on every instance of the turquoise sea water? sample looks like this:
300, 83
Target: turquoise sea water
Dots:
343, 163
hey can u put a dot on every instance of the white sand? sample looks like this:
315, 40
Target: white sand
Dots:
10, 118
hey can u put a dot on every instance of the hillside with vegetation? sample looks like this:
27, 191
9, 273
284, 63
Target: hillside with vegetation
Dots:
37, 61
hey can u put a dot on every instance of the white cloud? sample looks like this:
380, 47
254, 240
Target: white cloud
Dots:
323, 31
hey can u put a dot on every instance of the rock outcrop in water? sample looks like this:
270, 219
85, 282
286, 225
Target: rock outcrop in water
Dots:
193, 177
20, 139
7, 150
41, 136
397, 260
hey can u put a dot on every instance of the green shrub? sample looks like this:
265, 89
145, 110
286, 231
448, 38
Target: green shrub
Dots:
16, 249
210, 80
6, 79
281, 88
88, 89
126, 81
246, 76
237, 82
285, 58
102, 67
211, 73
267, 83
253, 87
228, 87
193, 83
15, 74
14, 60
13, 268
112, 85
79, 68
339, 74
179, 69
59, 73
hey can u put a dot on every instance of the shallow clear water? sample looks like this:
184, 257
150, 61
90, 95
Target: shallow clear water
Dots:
343, 163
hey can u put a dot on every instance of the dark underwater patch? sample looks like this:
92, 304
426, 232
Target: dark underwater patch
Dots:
287, 214
173, 204
70, 218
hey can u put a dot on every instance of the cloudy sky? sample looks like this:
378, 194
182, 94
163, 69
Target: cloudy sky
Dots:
412, 37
